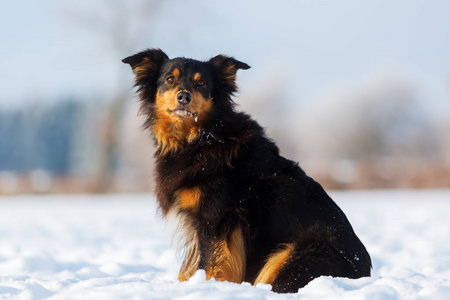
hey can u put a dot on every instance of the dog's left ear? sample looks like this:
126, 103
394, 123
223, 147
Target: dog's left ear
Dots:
225, 69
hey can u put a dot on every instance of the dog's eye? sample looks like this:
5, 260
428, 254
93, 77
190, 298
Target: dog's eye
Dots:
199, 83
170, 79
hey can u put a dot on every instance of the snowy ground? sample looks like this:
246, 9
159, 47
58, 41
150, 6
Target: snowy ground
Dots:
114, 247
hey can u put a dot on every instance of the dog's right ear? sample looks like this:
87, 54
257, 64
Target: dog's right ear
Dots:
148, 59
146, 66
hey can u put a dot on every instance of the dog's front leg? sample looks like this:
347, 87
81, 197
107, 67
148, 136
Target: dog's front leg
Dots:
191, 262
226, 259
222, 258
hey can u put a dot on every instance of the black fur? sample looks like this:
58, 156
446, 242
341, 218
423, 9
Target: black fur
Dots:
245, 183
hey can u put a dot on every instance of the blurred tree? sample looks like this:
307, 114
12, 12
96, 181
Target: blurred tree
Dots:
39, 138
381, 119
123, 26
377, 135
12, 137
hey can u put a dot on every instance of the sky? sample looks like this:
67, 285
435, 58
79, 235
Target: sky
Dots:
309, 48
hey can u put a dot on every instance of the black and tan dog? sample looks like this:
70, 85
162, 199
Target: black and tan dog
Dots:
244, 212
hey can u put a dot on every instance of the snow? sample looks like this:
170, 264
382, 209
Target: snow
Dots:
116, 247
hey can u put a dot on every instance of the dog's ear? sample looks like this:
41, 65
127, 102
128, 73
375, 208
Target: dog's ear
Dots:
146, 66
225, 69
147, 59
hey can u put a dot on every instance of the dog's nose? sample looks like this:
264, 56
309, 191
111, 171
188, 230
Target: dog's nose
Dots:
184, 98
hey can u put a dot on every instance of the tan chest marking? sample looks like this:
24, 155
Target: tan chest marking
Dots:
189, 199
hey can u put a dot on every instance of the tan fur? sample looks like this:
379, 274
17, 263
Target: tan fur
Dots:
176, 73
228, 260
141, 69
171, 131
197, 77
189, 199
274, 263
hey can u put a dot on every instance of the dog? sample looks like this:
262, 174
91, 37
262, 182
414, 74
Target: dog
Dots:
243, 213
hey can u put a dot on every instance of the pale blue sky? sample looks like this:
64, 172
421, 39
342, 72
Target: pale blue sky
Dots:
314, 46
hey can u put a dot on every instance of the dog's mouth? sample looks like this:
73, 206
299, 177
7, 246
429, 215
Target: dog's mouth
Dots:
182, 112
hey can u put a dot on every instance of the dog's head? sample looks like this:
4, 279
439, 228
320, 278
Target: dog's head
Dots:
180, 95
